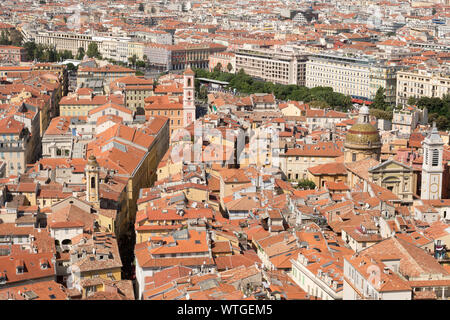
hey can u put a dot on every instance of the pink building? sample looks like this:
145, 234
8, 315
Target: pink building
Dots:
12, 54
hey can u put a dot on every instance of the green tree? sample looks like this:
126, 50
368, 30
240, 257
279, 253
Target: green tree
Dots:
4, 38
300, 94
71, 67
66, 54
39, 52
133, 60
30, 48
442, 122
92, 51
229, 67
412, 101
145, 58
379, 102
15, 38
381, 114
306, 184
319, 104
434, 105
268, 87
218, 67
140, 64
81, 53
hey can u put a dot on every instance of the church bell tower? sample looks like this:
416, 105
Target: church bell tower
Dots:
188, 97
92, 181
432, 169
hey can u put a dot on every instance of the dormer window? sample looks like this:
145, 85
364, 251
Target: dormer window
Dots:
20, 269
44, 264
2, 278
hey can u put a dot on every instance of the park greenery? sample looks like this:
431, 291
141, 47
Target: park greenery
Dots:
305, 184
438, 109
244, 83
318, 97
44, 53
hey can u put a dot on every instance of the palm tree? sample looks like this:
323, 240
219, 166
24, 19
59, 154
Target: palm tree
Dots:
133, 60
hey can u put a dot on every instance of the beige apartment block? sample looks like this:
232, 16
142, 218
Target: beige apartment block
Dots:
357, 77
64, 40
421, 83
272, 65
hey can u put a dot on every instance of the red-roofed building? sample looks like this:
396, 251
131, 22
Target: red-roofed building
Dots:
80, 105
12, 54
17, 150
296, 161
107, 74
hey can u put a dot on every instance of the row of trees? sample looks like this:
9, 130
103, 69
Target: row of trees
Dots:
322, 97
318, 97
46, 53
136, 63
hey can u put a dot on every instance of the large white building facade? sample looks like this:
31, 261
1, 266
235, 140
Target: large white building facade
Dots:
276, 66
358, 77
421, 83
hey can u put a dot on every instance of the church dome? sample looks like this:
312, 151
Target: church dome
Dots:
363, 134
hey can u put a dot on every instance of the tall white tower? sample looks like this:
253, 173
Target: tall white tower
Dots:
433, 149
188, 97
92, 181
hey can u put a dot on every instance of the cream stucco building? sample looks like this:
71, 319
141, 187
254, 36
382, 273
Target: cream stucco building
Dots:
354, 76
421, 83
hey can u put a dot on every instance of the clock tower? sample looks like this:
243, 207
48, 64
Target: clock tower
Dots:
432, 169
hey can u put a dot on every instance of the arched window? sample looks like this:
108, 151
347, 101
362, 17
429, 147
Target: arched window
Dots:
189, 82
93, 182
